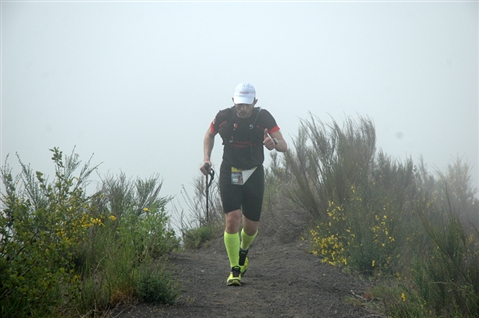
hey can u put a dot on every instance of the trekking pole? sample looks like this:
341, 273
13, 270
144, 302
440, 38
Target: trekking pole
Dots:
211, 172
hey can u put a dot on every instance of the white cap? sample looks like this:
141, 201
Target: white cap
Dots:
244, 94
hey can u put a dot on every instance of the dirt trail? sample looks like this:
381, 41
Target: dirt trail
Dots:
283, 280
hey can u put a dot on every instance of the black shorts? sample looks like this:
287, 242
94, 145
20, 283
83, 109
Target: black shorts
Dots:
247, 197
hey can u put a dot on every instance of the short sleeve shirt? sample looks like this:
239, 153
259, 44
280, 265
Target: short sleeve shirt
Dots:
243, 138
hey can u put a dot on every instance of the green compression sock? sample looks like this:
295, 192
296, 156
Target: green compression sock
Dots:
246, 240
232, 244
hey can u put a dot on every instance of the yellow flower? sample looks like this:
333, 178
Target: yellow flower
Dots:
146, 209
403, 297
372, 264
112, 217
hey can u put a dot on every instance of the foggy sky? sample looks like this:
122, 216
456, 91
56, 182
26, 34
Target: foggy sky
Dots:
137, 84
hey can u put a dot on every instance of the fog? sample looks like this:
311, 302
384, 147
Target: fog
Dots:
136, 84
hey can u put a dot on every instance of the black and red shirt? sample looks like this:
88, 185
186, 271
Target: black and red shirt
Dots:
243, 138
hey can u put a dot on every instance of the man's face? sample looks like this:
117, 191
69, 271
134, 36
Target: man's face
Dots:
244, 110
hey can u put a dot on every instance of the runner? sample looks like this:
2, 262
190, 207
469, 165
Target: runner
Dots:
244, 129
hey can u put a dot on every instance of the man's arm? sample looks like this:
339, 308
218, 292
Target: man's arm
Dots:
208, 143
270, 144
281, 146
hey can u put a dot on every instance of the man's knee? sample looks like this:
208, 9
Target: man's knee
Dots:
250, 227
233, 221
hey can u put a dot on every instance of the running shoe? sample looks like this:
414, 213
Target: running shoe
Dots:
235, 277
243, 261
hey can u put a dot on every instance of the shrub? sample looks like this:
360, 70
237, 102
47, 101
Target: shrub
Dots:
42, 224
400, 300
388, 218
327, 161
63, 251
156, 285
357, 197
202, 223
135, 234
194, 238
446, 270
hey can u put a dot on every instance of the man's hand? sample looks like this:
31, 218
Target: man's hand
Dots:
268, 141
206, 167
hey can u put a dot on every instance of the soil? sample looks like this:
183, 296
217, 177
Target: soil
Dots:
283, 280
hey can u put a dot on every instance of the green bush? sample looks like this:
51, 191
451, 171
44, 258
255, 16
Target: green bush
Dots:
156, 285
389, 219
446, 271
195, 238
358, 197
136, 233
401, 300
41, 225
63, 251
327, 160
203, 222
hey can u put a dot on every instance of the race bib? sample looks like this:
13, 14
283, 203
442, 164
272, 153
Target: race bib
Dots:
239, 176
